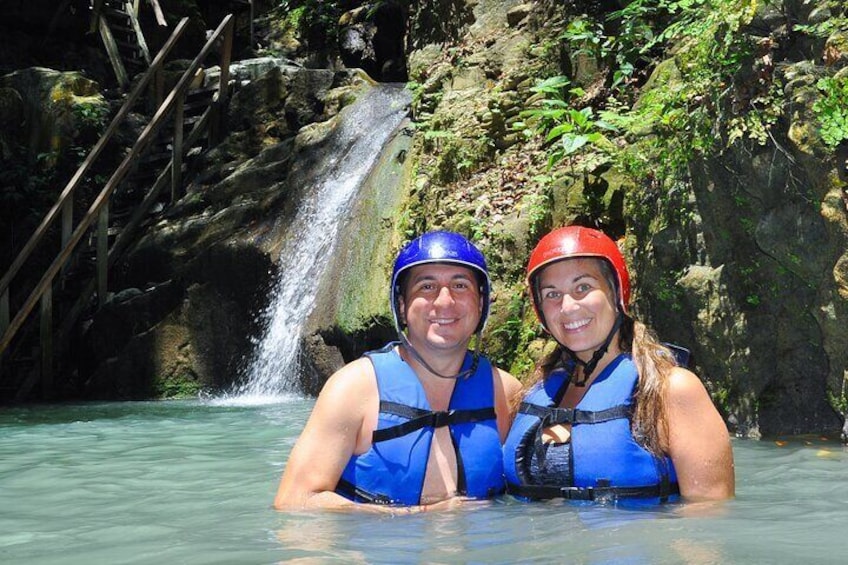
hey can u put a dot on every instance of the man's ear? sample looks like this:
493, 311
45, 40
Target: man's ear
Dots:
401, 311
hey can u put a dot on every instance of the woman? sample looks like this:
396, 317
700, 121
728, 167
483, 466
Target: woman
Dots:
611, 416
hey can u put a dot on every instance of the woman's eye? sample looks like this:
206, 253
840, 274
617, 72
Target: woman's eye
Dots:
583, 288
553, 295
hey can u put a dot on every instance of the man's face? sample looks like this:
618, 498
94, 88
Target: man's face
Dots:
441, 305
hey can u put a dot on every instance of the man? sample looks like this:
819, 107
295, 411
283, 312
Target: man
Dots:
420, 422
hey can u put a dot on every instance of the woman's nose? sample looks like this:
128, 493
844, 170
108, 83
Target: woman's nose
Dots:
568, 303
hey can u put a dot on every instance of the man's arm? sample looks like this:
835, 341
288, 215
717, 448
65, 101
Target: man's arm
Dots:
698, 443
328, 440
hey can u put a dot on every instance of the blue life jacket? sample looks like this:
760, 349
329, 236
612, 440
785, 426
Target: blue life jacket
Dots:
606, 463
392, 470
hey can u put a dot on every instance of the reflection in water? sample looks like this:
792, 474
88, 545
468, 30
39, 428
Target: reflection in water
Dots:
312, 539
694, 553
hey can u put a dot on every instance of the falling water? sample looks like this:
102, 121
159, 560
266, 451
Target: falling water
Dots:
364, 129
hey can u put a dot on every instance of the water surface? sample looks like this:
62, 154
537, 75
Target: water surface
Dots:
192, 482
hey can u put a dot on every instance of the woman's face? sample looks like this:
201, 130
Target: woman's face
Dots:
579, 304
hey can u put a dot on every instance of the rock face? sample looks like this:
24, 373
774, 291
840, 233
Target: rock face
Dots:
748, 270
49, 110
758, 293
371, 39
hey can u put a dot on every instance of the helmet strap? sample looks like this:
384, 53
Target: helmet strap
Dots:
589, 366
475, 358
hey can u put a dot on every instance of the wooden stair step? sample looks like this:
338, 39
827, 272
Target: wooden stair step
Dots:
110, 12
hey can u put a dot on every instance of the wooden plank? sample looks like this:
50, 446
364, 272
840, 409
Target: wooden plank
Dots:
142, 44
160, 17
46, 331
159, 87
67, 224
114, 54
177, 155
96, 10
124, 238
102, 254
216, 127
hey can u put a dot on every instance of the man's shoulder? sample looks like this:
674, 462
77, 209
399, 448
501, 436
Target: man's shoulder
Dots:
355, 377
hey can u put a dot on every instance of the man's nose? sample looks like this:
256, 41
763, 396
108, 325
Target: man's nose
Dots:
444, 296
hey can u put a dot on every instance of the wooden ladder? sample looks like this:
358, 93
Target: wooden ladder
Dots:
96, 234
117, 23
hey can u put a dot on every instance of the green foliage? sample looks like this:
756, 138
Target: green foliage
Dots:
587, 37
567, 130
832, 110
839, 402
669, 292
695, 106
537, 206
317, 20
837, 22
175, 388
514, 337
91, 115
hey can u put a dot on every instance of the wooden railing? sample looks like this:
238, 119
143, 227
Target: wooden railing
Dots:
99, 210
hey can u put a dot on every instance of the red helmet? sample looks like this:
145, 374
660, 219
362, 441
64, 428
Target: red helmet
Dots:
577, 241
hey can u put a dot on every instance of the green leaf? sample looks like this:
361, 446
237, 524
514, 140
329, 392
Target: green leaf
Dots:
572, 143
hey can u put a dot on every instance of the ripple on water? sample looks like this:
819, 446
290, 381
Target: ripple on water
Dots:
192, 483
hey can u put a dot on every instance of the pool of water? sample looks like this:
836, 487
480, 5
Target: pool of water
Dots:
192, 482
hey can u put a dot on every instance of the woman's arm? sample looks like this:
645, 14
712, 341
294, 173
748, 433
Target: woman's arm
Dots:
507, 388
698, 442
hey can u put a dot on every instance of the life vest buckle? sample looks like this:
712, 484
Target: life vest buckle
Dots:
443, 418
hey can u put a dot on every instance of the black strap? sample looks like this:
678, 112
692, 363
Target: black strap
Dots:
420, 418
545, 492
357, 494
475, 358
553, 416
589, 367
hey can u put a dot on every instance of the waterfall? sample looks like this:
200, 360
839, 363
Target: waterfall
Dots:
364, 129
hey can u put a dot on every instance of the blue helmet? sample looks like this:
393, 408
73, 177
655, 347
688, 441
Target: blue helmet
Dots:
441, 247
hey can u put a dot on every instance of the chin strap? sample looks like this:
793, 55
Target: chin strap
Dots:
589, 367
461, 375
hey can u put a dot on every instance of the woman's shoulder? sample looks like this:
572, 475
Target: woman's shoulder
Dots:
685, 388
